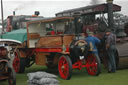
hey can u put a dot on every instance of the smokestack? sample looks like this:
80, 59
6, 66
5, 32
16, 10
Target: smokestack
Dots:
37, 13
2, 16
14, 13
110, 14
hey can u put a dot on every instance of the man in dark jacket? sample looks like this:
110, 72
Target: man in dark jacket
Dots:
110, 48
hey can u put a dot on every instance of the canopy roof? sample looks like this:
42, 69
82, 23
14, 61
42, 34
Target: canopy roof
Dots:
9, 42
19, 35
96, 9
50, 19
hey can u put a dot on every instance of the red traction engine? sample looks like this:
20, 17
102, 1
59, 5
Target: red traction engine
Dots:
80, 57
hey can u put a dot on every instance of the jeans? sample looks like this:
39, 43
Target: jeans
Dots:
111, 60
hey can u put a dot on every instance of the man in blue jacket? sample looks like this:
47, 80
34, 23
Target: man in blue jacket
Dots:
92, 41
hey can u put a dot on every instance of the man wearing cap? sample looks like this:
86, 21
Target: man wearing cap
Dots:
92, 41
110, 48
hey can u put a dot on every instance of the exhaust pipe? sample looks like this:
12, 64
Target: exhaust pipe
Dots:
37, 13
110, 14
2, 16
14, 13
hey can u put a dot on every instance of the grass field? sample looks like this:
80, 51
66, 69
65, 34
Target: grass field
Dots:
79, 77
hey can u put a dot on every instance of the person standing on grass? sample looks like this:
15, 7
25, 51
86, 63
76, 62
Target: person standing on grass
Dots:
110, 48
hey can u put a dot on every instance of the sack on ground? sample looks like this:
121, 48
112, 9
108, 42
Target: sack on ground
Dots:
39, 75
48, 81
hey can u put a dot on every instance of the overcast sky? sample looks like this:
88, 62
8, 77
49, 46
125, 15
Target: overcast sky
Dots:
48, 8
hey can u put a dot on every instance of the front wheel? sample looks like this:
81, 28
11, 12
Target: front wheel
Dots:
65, 67
93, 65
19, 63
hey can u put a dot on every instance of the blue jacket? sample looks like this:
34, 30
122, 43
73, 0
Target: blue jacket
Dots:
92, 41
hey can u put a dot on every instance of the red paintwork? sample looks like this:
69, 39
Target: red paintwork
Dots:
63, 68
67, 49
89, 63
60, 33
48, 50
9, 27
16, 63
79, 65
52, 32
100, 8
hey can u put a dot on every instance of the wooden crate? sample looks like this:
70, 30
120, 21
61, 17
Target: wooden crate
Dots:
49, 42
34, 35
67, 39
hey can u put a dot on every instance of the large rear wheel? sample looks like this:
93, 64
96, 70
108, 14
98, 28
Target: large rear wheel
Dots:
65, 67
93, 65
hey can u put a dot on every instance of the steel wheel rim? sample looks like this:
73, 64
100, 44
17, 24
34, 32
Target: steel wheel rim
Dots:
16, 63
92, 65
63, 68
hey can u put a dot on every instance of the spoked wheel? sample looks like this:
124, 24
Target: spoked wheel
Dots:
19, 63
93, 65
65, 67
16, 62
12, 77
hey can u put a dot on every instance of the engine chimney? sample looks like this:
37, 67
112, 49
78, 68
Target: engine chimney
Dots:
14, 13
110, 14
37, 13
